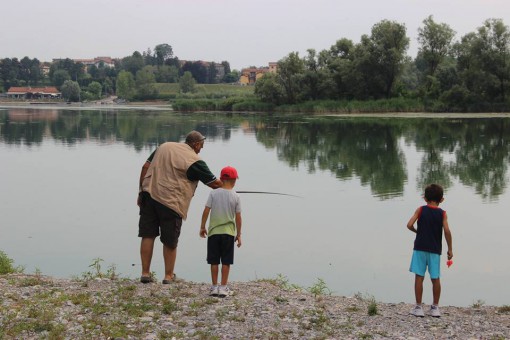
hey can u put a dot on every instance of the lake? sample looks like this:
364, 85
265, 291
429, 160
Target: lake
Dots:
69, 180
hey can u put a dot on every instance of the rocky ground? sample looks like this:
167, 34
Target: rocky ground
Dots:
40, 307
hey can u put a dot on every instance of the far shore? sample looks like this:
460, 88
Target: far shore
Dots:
164, 105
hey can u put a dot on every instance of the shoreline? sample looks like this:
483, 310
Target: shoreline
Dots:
35, 306
163, 105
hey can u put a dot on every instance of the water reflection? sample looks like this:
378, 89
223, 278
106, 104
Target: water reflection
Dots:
472, 151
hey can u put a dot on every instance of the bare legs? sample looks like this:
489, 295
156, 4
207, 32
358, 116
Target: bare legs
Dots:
418, 289
436, 290
225, 270
169, 256
146, 248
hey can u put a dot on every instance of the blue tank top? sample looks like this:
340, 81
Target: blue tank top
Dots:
429, 233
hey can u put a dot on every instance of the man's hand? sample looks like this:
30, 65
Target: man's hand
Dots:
238, 240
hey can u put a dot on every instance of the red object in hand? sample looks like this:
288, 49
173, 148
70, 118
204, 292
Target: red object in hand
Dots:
449, 263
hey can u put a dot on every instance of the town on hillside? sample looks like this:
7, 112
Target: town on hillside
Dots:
98, 77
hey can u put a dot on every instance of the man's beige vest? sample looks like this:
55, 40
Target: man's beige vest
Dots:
166, 179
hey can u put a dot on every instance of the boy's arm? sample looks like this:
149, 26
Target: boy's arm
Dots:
448, 236
239, 223
412, 220
205, 215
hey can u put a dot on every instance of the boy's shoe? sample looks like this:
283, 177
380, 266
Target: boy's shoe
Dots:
417, 311
213, 291
224, 291
434, 311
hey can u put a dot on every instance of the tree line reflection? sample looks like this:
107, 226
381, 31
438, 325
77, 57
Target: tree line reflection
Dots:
474, 152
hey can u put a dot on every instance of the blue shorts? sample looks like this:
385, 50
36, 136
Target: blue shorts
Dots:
423, 259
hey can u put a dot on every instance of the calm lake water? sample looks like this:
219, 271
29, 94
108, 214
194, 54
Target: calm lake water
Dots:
69, 182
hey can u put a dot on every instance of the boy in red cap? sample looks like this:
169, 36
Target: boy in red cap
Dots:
224, 230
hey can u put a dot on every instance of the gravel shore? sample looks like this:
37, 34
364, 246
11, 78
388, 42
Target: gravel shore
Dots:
40, 307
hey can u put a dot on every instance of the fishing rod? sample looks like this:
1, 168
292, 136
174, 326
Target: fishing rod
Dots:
266, 192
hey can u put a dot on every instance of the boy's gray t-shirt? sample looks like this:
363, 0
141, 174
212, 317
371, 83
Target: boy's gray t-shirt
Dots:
224, 205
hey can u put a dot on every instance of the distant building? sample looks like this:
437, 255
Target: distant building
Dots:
249, 76
49, 92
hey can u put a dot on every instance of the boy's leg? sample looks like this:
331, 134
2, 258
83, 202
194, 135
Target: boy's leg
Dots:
418, 288
214, 274
225, 270
436, 290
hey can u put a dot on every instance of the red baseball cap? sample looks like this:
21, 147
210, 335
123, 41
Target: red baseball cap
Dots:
228, 172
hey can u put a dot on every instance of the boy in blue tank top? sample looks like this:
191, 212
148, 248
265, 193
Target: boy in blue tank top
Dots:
431, 222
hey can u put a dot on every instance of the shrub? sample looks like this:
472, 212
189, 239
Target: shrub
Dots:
6, 265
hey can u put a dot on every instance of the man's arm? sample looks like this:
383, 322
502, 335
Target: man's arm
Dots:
199, 171
448, 236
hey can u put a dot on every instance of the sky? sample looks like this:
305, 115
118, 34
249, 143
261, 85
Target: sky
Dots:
244, 33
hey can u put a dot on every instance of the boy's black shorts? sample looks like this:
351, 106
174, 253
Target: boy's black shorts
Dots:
154, 217
220, 249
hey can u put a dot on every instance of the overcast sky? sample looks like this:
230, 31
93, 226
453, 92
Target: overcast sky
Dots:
242, 32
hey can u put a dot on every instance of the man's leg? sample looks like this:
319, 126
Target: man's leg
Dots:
225, 270
436, 290
169, 256
146, 249
418, 288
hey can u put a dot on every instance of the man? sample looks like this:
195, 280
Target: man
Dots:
167, 183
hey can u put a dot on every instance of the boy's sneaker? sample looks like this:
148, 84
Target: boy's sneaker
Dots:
434, 311
213, 291
224, 291
418, 311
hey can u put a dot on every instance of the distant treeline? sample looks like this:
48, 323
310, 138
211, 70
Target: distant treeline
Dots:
146, 69
375, 74
472, 74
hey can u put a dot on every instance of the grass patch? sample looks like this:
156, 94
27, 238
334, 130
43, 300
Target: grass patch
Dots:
319, 288
478, 304
7, 265
504, 309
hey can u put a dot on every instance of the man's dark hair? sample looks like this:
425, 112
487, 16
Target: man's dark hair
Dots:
434, 193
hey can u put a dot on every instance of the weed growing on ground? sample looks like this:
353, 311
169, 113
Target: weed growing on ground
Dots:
478, 304
372, 307
319, 288
7, 265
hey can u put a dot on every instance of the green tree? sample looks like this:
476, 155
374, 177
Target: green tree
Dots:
387, 48
493, 51
163, 52
268, 89
125, 85
187, 83
290, 73
145, 83
71, 90
60, 76
9, 71
167, 74
435, 45
133, 63
95, 89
